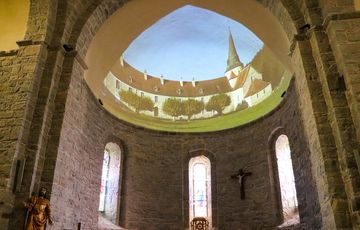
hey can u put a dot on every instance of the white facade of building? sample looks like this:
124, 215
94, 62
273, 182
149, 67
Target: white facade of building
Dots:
114, 85
246, 84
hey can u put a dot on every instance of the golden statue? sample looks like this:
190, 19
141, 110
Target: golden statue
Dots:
39, 212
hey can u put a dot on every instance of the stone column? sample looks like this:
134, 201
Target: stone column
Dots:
21, 72
17, 103
335, 94
344, 36
322, 146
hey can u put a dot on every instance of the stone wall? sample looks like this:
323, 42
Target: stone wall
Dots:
43, 94
153, 186
18, 91
345, 41
7, 141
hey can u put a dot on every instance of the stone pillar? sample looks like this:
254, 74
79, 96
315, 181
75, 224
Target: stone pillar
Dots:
334, 90
344, 38
22, 79
17, 103
318, 132
345, 42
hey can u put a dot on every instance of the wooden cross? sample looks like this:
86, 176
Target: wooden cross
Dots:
241, 177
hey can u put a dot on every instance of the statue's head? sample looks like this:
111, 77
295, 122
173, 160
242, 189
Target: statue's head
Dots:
42, 192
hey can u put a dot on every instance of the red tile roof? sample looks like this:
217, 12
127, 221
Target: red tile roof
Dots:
134, 78
256, 86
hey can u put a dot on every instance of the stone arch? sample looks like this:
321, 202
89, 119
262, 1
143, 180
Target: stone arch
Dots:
190, 155
82, 37
79, 31
108, 54
283, 10
68, 64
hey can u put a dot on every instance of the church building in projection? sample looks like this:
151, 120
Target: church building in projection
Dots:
243, 84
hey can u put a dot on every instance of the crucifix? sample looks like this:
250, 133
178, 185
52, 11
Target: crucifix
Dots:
241, 177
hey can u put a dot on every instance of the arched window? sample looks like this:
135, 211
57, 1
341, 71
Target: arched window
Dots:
287, 181
110, 183
200, 188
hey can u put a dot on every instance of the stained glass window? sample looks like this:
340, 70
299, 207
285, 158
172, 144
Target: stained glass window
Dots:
200, 188
104, 180
109, 198
286, 179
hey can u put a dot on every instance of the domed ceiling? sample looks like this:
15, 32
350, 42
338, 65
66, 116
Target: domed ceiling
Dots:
194, 71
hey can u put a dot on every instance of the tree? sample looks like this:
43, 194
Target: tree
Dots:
128, 97
137, 102
173, 107
218, 103
145, 104
192, 107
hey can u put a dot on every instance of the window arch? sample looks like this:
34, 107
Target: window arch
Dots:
289, 202
109, 201
200, 188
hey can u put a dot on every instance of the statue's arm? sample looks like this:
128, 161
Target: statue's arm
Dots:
48, 213
234, 176
29, 204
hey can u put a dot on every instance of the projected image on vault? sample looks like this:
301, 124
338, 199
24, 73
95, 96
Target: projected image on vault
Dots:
194, 64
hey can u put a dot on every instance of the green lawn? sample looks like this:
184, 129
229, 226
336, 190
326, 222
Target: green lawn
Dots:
211, 124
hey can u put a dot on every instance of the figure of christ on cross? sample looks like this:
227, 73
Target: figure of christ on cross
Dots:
241, 177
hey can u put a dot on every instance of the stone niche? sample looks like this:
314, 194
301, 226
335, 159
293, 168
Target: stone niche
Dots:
153, 178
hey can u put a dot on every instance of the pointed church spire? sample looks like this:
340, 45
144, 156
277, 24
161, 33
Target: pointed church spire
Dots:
233, 60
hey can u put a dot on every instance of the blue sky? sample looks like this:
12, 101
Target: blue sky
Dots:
190, 42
